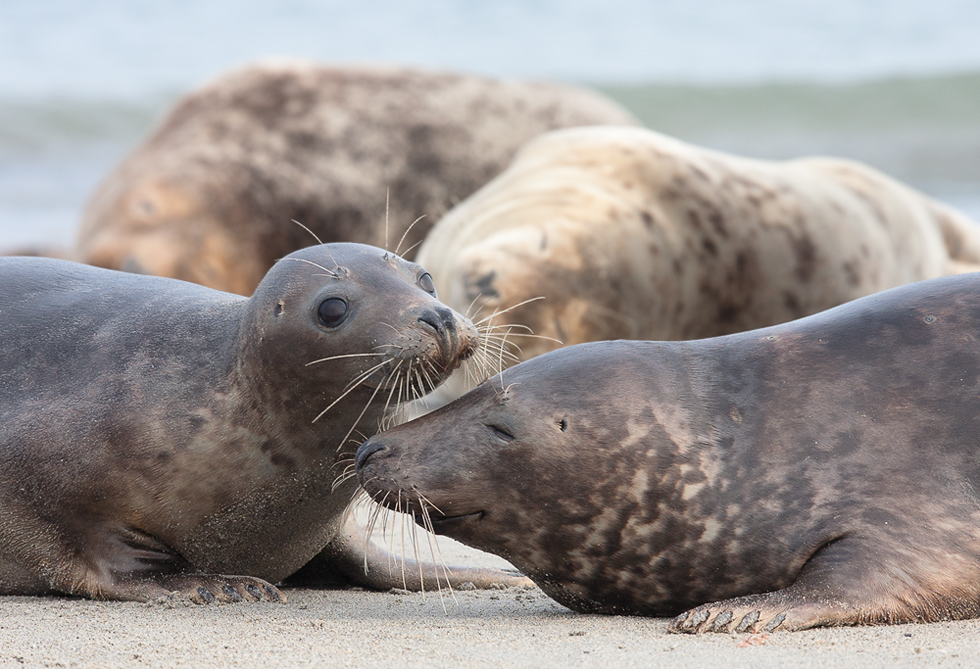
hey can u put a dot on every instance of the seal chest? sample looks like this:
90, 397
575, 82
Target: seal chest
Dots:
157, 434
820, 472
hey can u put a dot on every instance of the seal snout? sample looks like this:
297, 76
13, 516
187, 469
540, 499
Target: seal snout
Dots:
366, 450
457, 338
440, 319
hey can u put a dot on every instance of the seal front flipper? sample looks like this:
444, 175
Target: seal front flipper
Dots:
135, 566
342, 563
849, 582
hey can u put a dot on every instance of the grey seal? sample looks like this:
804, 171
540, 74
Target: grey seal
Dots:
158, 436
821, 472
630, 234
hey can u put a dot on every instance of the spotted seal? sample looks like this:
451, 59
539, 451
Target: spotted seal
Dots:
157, 436
208, 197
630, 234
820, 472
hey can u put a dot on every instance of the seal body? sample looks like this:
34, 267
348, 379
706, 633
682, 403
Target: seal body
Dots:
156, 436
210, 195
628, 234
821, 472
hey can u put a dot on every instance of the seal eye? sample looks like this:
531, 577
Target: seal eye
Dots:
332, 312
425, 283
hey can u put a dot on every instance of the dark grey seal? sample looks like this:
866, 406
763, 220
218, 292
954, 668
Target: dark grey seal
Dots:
156, 436
821, 472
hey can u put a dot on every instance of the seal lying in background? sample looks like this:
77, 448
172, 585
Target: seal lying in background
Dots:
156, 435
209, 196
629, 234
820, 472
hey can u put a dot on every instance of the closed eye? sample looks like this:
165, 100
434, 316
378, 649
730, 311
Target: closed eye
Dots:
501, 433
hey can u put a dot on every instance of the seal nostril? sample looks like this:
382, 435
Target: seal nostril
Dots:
431, 319
367, 449
448, 319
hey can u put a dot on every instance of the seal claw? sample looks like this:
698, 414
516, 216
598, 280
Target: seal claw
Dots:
748, 622
774, 623
205, 595
722, 622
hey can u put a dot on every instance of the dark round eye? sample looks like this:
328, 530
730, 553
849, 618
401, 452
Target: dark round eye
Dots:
425, 283
332, 312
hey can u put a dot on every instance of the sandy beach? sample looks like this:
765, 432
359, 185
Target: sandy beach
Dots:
517, 627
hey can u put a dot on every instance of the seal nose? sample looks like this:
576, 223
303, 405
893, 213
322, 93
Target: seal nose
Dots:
443, 321
367, 449
439, 319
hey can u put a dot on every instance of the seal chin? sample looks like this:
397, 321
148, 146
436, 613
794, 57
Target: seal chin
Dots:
445, 524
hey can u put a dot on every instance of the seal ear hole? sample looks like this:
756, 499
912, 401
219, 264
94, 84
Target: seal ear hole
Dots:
501, 433
563, 424
280, 308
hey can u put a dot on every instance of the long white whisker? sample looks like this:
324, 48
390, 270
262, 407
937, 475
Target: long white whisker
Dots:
504, 311
347, 392
348, 355
405, 234
317, 265
319, 241
359, 417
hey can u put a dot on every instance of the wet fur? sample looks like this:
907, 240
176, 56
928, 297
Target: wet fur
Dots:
820, 472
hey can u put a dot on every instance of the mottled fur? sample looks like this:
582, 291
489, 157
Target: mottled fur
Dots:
630, 234
208, 197
820, 472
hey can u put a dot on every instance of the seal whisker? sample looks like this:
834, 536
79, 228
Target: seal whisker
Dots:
412, 247
423, 366
359, 417
348, 355
418, 556
348, 472
498, 312
405, 234
385, 416
466, 314
499, 344
346, 393
434, 549
369, 527
404, 517
318, 240
329, 272
387, 200
361, 377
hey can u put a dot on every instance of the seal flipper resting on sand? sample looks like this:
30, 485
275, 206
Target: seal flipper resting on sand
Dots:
156, 435
821, 472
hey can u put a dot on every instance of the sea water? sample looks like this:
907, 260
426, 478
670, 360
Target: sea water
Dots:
895, 84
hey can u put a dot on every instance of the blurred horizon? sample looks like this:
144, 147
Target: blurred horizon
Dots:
896, 85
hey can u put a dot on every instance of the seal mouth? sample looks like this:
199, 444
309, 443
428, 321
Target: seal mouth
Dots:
441, 524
